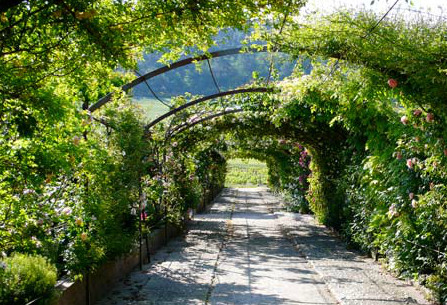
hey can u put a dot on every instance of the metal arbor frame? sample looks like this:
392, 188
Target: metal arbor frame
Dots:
105, 99
203, 99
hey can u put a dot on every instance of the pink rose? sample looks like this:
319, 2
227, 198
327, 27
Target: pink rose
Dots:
430, 117
411, 195
392, 83
404, 120
409, 163
393, 211
417, 112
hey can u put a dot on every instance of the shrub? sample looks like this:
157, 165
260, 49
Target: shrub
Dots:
24, 278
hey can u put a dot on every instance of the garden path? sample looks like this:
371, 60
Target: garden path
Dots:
246, 250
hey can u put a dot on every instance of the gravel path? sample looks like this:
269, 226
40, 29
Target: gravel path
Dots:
245, 250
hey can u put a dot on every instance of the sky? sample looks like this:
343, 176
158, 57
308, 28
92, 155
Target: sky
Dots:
434, 7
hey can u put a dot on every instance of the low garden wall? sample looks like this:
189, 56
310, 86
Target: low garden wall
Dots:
96, 285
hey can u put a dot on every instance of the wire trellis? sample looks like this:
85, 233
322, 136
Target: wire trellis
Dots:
153, 92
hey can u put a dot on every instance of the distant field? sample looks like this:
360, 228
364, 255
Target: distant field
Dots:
152, 107
245, 173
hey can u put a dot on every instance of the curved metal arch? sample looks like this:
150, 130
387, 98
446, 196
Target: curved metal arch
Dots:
203, 99
186, 126
105, 99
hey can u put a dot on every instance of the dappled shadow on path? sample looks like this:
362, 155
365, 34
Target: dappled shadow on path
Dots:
241, 252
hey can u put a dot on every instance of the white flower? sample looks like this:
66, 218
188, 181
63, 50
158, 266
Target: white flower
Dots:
28, 191
66, 211
414, 203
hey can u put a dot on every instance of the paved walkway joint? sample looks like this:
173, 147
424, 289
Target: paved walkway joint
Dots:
246, 250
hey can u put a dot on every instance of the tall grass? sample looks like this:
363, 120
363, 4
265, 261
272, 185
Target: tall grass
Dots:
245, 173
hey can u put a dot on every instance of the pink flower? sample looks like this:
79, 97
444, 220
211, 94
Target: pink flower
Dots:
84, 236
392, 83
392, 211
404, 120
430, 117
409, 163
143, 215
411, 195
417, 112
445, 152
398, 155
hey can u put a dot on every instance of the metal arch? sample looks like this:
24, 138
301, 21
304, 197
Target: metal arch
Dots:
203, 99
173, 66
204, 119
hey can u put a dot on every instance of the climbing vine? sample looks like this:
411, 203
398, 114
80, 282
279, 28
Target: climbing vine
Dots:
360, 141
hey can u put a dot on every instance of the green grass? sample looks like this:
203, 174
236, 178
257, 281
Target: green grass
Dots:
245, 173
151, 107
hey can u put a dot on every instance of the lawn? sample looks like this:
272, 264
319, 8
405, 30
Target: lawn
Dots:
151, 107
245, 173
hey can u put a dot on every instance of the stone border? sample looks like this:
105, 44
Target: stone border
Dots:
110, 273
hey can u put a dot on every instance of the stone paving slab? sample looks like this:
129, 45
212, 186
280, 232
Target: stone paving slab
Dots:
353, 279
245, 250
260, 266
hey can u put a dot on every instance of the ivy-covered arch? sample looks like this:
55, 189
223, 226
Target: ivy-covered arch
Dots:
323, 141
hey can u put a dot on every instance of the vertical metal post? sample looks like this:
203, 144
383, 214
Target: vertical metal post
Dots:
85, 106
148, 252
87, 288
166, 224
140, 225
140, 241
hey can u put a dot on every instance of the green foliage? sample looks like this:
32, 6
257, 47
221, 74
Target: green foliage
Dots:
360, 142
388, 178
24, 278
